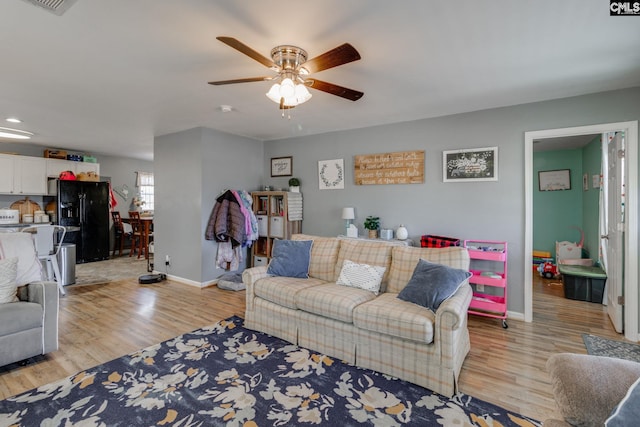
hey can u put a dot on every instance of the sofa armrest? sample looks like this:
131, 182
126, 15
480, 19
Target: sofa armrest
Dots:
46, 294
587, 388
249, 277
453, 311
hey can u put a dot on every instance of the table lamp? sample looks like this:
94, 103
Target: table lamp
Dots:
348, 215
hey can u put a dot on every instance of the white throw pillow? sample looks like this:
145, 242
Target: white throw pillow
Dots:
21, 245
361, 276
8, 286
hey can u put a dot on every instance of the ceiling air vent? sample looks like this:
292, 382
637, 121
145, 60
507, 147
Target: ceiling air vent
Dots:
57, 7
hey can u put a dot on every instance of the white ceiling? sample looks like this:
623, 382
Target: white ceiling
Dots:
108, 76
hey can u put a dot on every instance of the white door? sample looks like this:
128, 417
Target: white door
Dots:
615, 229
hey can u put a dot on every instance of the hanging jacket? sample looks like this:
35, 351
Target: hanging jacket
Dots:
226, 221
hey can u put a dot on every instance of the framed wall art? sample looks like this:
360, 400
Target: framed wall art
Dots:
331, 174
555, 180
281, 166
474, 164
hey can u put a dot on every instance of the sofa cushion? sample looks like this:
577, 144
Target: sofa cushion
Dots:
627, 412
21, 245
20, 316
324, 254
432, 283
333, 301
8, 288
283, 290
405, 259
365, 252
290, 258
363, 276
392, 316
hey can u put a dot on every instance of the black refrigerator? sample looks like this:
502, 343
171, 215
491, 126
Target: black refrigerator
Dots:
83, 206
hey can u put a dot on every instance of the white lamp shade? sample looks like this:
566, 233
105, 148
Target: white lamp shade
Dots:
274, 93
287, 89
293, 94
348, 213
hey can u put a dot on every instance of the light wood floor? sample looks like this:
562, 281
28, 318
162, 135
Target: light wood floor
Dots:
505, 366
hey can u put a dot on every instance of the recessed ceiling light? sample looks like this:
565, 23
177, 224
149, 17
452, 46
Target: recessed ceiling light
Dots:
14, 133
226, 108
13, 120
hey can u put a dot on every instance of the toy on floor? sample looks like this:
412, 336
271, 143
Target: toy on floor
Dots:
548, 270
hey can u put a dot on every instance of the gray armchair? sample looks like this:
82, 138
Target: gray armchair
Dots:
587, 388
28, 327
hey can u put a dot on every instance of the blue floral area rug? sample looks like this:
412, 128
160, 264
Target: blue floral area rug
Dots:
228, 375
599, 346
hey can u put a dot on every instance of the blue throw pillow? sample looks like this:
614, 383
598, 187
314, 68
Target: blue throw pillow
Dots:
627, 412
431, 284
290, 258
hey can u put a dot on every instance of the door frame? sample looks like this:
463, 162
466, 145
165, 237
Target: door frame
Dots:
631, 216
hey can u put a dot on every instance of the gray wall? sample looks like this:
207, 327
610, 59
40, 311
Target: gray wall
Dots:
191, 169
483, 210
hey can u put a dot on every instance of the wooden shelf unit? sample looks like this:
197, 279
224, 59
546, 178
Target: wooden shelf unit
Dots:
489, 268
271, 209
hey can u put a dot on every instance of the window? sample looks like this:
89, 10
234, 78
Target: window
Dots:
145, 189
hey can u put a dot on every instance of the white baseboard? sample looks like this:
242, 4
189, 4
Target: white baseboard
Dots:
189, 281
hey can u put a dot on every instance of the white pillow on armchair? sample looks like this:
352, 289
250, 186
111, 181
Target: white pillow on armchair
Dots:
21, 245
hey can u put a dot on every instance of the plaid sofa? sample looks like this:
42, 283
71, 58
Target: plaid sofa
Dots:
380, 332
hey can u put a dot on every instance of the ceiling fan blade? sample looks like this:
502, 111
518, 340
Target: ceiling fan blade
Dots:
333, 89
243, 48
342, 54
247, 80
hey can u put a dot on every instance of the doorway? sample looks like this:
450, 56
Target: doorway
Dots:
630, 262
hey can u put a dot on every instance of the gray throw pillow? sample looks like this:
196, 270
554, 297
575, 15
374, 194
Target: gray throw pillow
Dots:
627, 413
290, 258
432, 283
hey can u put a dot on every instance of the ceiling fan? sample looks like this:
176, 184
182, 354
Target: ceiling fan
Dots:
292, 68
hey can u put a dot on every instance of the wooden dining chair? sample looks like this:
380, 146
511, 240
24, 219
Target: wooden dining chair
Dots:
137, 238
120, 233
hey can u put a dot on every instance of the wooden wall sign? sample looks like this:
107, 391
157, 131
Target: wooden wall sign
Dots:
402, 167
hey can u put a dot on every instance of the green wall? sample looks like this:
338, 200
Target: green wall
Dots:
556, 214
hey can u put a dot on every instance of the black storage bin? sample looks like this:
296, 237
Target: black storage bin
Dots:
583, 287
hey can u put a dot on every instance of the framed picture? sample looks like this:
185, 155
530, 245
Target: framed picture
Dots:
474, 164
281, 166
331, 174
554, 180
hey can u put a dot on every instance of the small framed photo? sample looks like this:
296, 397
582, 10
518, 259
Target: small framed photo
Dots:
555, 180
474, 164
281, 166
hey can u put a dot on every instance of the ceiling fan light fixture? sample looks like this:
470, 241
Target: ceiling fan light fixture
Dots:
302, 93
293, 94
274, 93
287, 88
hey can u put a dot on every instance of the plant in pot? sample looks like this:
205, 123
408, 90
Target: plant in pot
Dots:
294, 185
372, 223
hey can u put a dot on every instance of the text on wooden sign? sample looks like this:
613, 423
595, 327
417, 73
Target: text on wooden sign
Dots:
402, 167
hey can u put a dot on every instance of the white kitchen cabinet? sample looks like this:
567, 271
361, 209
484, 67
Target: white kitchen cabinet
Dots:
23, 175
87, 167
57, 166
7, 168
